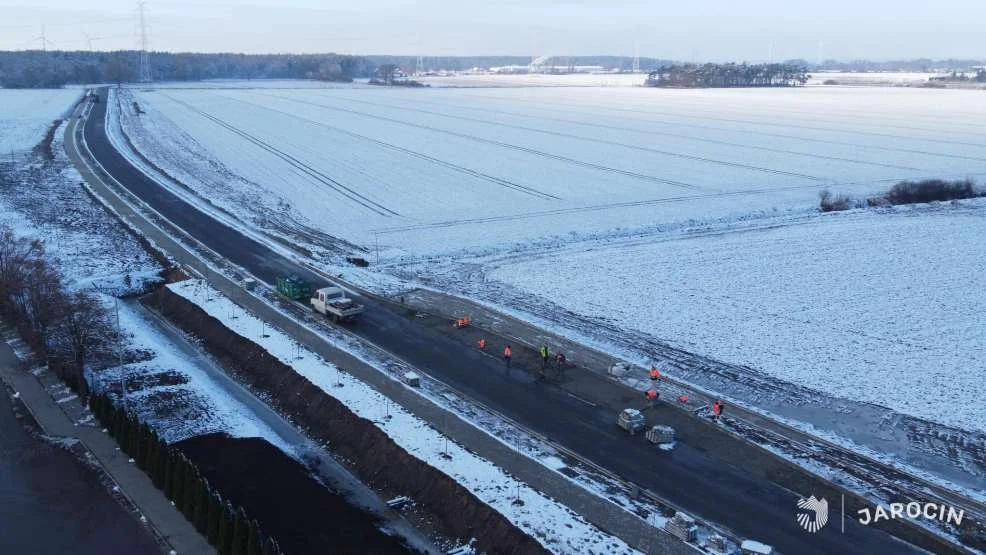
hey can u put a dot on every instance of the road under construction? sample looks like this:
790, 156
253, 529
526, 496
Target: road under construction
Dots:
711, 474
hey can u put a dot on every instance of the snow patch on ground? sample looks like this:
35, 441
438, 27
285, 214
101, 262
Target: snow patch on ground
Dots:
555, 526
172, 393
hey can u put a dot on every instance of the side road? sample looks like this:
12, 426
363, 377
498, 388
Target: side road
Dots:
162, 516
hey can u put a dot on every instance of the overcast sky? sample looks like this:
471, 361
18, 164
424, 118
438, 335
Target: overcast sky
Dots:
692, 30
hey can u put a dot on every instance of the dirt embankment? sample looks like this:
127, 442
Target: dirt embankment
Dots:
302, 515
374, 457
44, 148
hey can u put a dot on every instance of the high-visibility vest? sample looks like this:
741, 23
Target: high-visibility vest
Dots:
716, 408
655, 374
482, 343
544, 352
652, 394
507, 352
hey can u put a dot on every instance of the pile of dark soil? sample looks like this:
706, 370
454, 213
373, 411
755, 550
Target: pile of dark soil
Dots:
301, 514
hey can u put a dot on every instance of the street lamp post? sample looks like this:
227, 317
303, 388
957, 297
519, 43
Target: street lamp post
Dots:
119, 352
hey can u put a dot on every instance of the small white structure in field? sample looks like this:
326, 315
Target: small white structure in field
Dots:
682, 527
411, 379
750, 547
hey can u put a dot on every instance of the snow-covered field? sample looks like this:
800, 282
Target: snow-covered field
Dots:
25, 115
880, 308
558, 528
535, 80
437, 170
43, 198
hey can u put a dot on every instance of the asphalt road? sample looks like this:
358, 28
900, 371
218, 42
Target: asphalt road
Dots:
712, 481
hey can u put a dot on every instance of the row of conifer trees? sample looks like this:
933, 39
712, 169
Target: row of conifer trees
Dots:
229, 530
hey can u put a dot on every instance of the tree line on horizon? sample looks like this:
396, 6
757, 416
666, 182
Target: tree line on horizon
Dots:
728, 75
53, 69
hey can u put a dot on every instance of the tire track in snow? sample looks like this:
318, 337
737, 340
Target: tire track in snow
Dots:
782, 125
492, 178
305, 168
596, 140
541, 153
601, 207
554, 106
879, 120
678, 136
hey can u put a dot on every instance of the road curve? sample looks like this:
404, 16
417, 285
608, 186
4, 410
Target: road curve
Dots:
716, 482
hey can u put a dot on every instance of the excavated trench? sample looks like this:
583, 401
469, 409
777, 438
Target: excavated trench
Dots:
372, 455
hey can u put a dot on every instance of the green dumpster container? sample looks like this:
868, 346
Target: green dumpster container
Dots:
294, 288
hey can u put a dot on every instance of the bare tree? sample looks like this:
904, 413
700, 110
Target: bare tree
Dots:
15, 252
87, 330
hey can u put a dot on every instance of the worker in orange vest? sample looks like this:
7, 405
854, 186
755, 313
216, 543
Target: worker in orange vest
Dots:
508, 354
716, 410
683, 398
651, 395
482, 344
655, 374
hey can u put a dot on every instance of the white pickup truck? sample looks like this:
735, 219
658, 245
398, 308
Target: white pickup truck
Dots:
333, 302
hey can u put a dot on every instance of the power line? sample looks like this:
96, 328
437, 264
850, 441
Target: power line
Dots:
145, 63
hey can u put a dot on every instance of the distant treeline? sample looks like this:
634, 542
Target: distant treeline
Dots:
728, 75
37, 69
921, 65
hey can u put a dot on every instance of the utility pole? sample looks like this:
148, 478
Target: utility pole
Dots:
636, 58
419, 66
44, 40
145, 64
